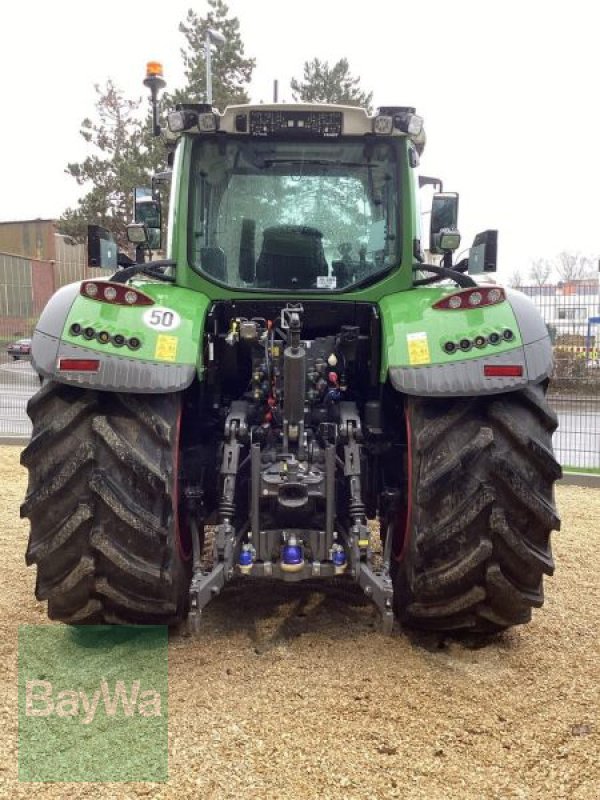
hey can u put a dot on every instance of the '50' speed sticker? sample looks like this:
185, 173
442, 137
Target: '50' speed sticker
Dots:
161, 319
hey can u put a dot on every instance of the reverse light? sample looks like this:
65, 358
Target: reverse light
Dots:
185, 119
471, 298
78, 364
383, 125
403, 118
502, 370
179, 121
114, 293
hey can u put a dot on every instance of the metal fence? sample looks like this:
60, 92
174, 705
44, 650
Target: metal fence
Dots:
571, 311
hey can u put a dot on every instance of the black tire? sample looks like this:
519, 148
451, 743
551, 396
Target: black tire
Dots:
102, 502
473, 550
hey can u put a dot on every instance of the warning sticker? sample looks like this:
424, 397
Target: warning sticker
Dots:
418, 348
166, 348
326, 282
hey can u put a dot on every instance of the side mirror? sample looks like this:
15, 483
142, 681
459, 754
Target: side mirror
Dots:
443, 231
101, 248
137, 233
484, 253
147, 210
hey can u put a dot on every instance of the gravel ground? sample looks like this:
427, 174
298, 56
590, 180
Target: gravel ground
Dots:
295, 694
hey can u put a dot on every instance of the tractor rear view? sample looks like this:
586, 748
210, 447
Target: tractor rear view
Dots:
291, 376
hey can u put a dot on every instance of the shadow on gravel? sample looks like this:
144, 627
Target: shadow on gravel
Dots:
272, 614
434, 642
277, 613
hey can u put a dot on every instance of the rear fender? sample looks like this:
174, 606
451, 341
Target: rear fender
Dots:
415, 333
167, 359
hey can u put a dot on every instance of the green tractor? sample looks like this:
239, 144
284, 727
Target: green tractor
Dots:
295, 371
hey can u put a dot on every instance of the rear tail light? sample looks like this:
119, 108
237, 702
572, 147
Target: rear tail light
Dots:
114, 293
471, 298
78, 364
502, 370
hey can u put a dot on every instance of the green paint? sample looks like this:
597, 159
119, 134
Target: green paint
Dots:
404, 310
129, 321
412, 312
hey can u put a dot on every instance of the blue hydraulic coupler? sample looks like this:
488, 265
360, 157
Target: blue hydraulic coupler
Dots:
292, 556
246, 559
338, 558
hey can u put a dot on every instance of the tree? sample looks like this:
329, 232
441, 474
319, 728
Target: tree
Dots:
325, 84
539, 271
125, 153
231, 70
126, 156
574, 266
516, 279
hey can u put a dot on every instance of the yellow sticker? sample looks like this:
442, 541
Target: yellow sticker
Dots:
418, 348
166, 348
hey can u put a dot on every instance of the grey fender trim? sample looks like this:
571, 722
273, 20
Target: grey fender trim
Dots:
467, 378
56, 311
116, 373
530, 321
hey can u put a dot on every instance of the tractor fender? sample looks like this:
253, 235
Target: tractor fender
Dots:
167, 334
415, 335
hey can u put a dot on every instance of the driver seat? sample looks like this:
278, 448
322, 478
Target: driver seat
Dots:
291, 257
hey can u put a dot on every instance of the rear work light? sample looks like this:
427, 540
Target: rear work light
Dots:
471, 298
114, 293
502, 370
78, 364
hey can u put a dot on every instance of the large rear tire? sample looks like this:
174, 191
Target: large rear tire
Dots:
474, 546
103, 504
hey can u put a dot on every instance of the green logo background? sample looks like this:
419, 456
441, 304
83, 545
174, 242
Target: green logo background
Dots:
129, 744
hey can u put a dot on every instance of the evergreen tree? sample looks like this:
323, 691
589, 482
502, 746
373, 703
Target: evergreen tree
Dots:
125, 156
231, 70
325, 84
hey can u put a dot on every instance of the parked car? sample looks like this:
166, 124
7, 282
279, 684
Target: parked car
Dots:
19, 349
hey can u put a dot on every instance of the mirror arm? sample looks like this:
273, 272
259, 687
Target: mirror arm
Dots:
150, 268
123, 260
464, 281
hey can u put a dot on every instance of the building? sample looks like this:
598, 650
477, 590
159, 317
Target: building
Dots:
569, 308
35, 260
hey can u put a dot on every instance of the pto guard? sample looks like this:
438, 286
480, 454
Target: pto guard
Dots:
439, 374
165, 361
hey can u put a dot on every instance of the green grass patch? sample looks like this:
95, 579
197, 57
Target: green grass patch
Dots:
585, 470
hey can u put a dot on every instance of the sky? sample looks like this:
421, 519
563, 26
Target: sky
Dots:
508, 91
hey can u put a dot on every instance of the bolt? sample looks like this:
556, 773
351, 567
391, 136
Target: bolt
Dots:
368, 591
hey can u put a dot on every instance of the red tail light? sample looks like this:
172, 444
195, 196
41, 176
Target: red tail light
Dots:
471, 298
115, 293
502, 370
78, 364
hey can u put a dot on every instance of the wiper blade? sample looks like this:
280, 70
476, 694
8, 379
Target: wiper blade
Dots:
151, 269
442, 273
315, 162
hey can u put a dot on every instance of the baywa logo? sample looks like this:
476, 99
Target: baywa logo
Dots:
92, 703
40, 702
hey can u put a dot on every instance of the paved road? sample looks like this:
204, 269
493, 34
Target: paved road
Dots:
577, 441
